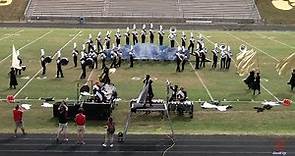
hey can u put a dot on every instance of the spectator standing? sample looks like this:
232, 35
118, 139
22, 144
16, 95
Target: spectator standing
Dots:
80, 120
18, 119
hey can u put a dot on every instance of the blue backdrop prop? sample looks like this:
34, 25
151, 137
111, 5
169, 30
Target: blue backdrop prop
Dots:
148, 51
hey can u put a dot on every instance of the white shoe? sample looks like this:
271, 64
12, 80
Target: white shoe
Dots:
111, 145
104, 145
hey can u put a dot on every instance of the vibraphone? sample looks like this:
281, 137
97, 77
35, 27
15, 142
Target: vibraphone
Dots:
182, 107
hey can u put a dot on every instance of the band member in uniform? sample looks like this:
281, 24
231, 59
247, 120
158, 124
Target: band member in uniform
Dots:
215, 56
191, 43
93, 55
13, 82
222, 57
114, 57
134, 35
257, 84
75, 54
152, 33
178, 59
119, 55
203, 57
150, 94
99, 42
43, 63
161, 35
174, 90
118, 37
127, 36
90, 43
183, 39
184, 58
83, 65
58, 66
172, 37
198, 56
292, 80
143, 34
131, 55
228, 57
108, 40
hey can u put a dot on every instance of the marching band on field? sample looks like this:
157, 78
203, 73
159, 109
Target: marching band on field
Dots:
91, 52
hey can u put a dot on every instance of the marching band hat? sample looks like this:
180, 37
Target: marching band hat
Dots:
42, 52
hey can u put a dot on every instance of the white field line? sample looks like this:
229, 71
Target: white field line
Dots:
269, 92
201, 80
27, 45
253, 46
11, 34
28, 82
264, 36
90, 75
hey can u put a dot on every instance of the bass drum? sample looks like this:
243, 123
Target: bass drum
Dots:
48, 59
64, 61
89, 62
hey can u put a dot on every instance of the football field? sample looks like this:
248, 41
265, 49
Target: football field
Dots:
201, 85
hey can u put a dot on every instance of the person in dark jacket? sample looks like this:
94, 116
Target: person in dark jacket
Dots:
256, 84
13, 82
292, 80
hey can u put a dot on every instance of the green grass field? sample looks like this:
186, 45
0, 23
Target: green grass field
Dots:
242, 119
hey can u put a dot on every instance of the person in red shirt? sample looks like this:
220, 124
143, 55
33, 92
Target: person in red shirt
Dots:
18, 119
80, 120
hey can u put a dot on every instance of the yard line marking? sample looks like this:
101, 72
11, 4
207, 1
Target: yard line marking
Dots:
11, 34
28, 82
269, 92
292, 47
28, 44
201, 80
254, 47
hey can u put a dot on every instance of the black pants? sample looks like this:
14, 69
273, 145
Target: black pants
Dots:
119, 62
18, 72
227, 64
108, 45
131, 61
182, 65
95, 62
83, 75
172, 43
99, 46
118, 42
256, 87
214, 65
151, 38
197, 66
143, 39
183, 43
191, 46
103, 62
203, 62
43, 68
222, 63
59, 72
161, 40
75, 58
178, 65
292, 87
127, 41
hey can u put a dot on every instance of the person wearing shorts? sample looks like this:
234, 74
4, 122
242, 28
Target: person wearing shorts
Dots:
80, 120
